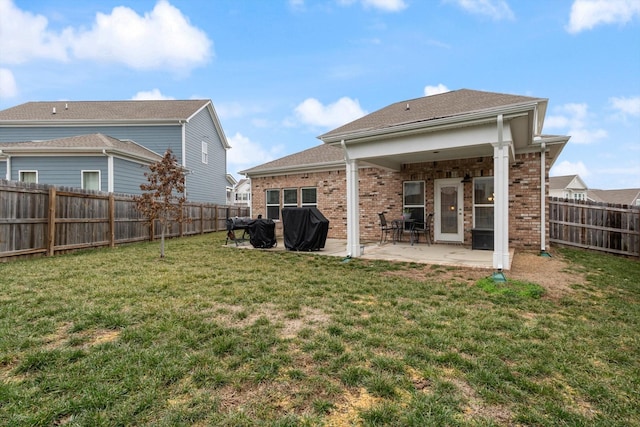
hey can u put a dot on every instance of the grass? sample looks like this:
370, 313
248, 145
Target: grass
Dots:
227, 337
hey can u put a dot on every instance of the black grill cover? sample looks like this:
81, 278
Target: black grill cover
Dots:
262, 233
305, 229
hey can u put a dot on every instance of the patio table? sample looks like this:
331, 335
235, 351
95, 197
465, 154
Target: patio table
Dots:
400, 226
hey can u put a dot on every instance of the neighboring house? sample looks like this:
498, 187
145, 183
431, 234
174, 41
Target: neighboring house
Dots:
242, 193
37, 139
477, 160
568, 187
231, 184
627, 196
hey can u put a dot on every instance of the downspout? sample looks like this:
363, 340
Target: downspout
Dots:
7, 174
110, 177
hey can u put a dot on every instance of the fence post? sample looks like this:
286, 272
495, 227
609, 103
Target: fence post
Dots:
112, 220
51, 222
201, 218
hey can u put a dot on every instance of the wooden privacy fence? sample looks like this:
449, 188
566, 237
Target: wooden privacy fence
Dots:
599, 226
42, 219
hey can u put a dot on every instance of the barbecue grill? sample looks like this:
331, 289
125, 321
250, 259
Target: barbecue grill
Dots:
237, 223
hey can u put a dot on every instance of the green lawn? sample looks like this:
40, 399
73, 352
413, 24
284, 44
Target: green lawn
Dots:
226, 337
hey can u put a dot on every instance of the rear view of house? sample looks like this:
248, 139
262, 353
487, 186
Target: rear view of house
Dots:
107, 145
476, 162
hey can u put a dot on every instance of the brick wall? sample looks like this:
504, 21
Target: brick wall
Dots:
381, 191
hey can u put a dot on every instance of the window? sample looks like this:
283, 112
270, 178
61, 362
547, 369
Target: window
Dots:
205, 153
29, 176
91, 180
483, 195
290, 198
273, 204
413, 200
309, 197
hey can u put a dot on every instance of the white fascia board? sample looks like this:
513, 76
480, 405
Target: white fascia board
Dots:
77, 152
453, 138
87, 123
471, 119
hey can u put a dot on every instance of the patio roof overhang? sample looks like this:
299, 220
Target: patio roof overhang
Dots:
459, 137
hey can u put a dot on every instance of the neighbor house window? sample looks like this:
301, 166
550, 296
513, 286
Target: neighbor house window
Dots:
290, 198
205, 153
483, 195
273, 204
91, 180
309, 197
28, 176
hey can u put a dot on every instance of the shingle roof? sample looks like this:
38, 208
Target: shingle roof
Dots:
449, 104
625, 196
95, 141
323, 154
103, 110
560, 182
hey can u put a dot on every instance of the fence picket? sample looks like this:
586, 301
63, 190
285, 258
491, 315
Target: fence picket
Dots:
598, 226
43, 219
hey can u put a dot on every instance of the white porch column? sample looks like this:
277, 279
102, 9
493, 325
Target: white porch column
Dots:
353, 205
501, 200
353, 211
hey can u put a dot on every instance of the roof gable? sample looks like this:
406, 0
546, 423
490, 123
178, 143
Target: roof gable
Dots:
424, 109
566, 181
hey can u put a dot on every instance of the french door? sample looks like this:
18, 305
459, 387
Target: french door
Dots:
448, 219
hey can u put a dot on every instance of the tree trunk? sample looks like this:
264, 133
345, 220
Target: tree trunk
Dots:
164, 228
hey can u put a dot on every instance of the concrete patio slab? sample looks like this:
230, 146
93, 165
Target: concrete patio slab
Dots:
441, 254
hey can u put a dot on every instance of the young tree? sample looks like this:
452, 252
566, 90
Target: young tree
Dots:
163, 196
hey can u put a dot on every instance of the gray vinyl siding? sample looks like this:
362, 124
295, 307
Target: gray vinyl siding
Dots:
128, 176
64, 171
155, 138
206, 182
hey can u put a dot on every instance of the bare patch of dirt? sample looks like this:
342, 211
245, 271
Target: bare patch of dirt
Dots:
347, 411
552, 273
102, 336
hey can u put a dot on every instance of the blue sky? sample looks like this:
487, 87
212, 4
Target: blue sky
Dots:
282, 72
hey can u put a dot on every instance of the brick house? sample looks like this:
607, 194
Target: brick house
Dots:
477, 161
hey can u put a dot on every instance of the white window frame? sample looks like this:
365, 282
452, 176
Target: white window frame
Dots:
24, 171
205, 152
82, 172
268, 205
307, 204
284, 199
477, 204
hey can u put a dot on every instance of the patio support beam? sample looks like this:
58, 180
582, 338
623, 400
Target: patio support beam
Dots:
353, 214
501, 201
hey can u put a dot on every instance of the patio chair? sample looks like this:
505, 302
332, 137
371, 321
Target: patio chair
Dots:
386, 227
418, 228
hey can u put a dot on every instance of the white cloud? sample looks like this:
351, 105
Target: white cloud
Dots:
162, 38
245, 153
385, 5
626, 106
495, 9
24, 36
567, 168
312, 112
574, 119
8, 86
153, 94
586, 14
434, 90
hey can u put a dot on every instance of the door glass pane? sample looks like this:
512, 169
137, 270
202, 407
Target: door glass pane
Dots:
449, 209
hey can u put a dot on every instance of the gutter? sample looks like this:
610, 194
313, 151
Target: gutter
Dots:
484, 116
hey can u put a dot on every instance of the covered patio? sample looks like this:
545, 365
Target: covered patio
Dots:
421, 253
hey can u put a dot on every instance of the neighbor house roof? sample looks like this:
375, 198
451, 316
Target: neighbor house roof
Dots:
316, 158
627, 196
455, 103
73, 111
90, 143
562, 182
